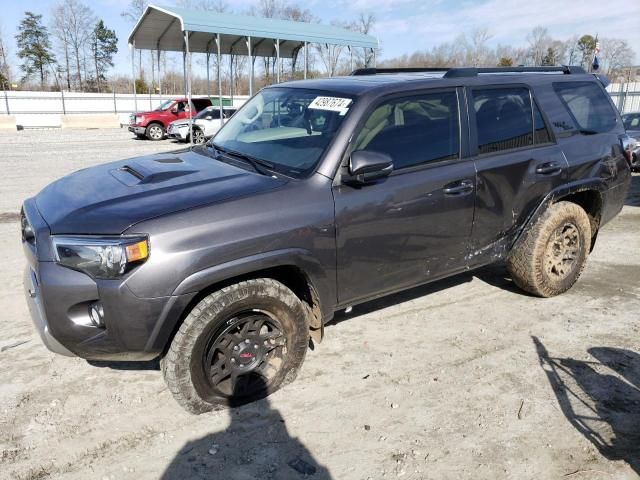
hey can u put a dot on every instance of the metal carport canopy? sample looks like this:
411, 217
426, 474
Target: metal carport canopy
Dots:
162, 28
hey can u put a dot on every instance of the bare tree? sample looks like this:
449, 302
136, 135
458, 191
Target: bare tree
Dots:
60, 29
5, 71
72, 24
133, 13
479, 49
616, 54
539, 41
364, 24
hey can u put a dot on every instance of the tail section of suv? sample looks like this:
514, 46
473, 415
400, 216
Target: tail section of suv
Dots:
224, 260
153, 124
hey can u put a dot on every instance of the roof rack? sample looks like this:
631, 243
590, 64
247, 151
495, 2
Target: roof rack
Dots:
374, 71
470, 71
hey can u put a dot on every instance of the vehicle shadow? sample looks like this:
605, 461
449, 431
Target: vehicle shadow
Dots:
127, 365
256, 445
633, 197
603, 407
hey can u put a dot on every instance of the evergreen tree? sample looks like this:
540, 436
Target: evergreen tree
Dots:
104, 46
34, 47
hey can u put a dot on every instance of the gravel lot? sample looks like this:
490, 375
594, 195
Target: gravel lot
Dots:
464, 378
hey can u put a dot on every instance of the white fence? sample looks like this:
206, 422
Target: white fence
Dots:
626, 96
45, 108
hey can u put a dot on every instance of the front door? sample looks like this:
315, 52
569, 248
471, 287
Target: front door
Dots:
414, 225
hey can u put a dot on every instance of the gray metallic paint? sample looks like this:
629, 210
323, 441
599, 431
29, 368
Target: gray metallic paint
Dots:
208, 221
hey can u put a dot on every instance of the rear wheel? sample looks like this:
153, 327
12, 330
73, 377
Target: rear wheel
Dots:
237, 345
155, 131
553, 253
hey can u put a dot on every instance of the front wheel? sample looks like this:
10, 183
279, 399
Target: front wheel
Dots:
198, 136
155, 131
237, 345
553, 253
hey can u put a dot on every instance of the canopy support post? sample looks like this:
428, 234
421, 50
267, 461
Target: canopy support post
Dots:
188, 84
250, 66
208, 76
278, 60
351, 56
306, 59
231, 76
159, 75
133, 75
375, 62
219, 81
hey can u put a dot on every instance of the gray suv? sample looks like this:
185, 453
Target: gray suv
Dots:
225, 260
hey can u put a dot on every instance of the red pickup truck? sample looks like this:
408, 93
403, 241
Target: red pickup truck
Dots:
153, 124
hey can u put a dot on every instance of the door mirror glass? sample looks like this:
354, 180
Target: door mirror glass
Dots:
367, 166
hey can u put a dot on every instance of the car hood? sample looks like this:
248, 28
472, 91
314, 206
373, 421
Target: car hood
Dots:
110, 198
180, 123
634, 133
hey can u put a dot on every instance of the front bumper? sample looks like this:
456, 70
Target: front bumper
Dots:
179, 133
137, 129
36, 309
59, 298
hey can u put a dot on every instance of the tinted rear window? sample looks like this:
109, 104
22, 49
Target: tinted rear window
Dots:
588, 105
503, 118
201, 103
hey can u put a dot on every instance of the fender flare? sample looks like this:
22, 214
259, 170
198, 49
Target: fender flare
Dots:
592, 184
302, 259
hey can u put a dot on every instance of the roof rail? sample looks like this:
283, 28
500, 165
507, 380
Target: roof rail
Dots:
457, 72
374, 71
473, 71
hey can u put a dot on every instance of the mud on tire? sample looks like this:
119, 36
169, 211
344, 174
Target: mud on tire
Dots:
238, 344
552, 254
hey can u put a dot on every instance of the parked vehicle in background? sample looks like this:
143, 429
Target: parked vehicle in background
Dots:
226, 258
631, 123
205, 125
153, 124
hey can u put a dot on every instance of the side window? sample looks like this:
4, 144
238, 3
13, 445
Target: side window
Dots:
631, 122
541, 131
588, 105
503, 118
413, 130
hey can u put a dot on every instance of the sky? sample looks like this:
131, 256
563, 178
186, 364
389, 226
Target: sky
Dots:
404, 26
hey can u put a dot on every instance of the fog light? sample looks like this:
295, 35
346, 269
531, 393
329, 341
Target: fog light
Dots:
96, 314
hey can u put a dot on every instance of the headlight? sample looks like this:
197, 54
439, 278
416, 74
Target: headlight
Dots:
101, 257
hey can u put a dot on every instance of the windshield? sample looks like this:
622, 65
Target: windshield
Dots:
164, 105
205, 112
289, 128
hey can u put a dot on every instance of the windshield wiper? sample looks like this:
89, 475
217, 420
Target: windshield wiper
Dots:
258, 164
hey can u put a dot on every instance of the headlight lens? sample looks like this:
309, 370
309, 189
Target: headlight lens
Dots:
101, 257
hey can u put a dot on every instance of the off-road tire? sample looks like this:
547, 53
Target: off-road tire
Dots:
180, 364
155, 131
530, 261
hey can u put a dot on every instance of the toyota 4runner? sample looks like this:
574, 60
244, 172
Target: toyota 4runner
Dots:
225, 260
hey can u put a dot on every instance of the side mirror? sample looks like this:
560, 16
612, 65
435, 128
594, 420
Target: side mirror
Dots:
366, 167
174, 110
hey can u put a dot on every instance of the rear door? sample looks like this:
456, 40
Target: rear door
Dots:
414, 225
517, 162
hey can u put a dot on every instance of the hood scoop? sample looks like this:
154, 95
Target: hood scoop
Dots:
142, 174
169, 160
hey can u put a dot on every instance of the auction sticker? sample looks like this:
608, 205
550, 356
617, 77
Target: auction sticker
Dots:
333, 104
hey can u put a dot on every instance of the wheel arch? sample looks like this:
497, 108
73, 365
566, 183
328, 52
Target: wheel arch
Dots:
302, 274
588, 195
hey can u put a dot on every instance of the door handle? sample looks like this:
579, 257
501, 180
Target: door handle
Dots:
550, 168
459, 188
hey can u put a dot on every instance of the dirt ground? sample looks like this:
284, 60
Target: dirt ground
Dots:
464, 378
